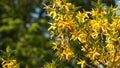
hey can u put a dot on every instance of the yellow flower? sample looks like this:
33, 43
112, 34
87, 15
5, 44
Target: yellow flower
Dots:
46, 6
85, 47
61, 25
117, 57
82, 37
103, 13
94, 35
57, 3
118, 27
110, 47
9, 63
80, 16
96, 63
94, 12
74, 34
68, 53
52, 34
95, 53
82, 63
56, 44
92, 54
60, 17
52, 27
52, 13
65, 53
61, 37
101, 58
65, 6
96, 27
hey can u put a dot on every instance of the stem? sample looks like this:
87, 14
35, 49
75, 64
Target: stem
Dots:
103, 47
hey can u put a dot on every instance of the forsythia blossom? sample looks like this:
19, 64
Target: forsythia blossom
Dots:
94, 31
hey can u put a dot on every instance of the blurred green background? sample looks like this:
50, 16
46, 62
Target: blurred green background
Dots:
23, 27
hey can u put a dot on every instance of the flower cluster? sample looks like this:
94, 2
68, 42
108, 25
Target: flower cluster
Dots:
9, 63
97, 31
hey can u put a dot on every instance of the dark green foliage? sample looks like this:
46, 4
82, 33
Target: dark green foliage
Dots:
24, 33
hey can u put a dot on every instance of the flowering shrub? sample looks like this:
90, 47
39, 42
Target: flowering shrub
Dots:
97, 32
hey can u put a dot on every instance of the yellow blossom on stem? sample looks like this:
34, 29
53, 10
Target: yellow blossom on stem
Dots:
82, 63
53, 26
9, 63
52, 13
92, 54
